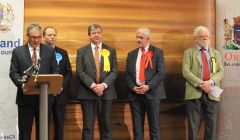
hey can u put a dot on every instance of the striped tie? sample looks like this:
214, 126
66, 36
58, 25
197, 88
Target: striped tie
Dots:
34, 56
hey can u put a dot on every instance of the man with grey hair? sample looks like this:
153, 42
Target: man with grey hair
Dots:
202, 68
145, 72
23, 57
96, 71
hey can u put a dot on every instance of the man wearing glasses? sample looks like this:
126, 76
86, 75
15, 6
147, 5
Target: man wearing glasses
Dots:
23, 57
203, 70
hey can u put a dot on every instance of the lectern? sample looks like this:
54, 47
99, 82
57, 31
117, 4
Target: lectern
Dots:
43, 84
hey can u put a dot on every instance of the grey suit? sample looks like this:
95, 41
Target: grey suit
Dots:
150, 101
28, 105
91, 103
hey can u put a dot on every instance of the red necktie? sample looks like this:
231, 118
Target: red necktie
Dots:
34, 56
97, 63
142, 66
206, 71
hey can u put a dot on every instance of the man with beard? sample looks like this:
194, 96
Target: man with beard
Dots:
202, 68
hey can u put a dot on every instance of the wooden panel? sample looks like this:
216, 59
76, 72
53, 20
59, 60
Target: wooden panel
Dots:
171, 22
121, 124
173, 124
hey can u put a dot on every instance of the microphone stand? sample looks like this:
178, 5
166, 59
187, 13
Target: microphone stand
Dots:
37, 68
32, 70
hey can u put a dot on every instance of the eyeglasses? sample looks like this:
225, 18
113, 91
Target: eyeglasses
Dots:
203, 36
35, 37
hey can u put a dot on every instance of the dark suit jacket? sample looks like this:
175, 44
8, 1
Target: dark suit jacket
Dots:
21, 60
153, 77
65, 70
86, 73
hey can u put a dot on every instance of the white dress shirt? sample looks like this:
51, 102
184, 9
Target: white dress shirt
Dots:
37, 51
139, 83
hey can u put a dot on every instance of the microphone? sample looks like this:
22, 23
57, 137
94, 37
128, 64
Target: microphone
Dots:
37, 68
26, 74
32, 70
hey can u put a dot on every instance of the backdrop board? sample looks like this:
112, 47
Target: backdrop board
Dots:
11, 36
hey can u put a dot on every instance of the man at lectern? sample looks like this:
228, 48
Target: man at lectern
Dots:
57, 109
202, 68
32, 54
145, 72
96, 71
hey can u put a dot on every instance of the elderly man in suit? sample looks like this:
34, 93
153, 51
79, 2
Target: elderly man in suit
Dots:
202, 68
22, 58
57, 108
96, 71
145, 72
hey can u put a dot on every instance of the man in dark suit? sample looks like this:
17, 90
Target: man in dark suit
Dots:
22, 58
57, 109
202, 68
145, 71
96, 71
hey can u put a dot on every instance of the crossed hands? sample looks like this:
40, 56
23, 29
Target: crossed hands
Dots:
98, 89
141, 89
205, 86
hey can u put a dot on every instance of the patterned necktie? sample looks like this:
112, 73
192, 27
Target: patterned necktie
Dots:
34, 56
206, 71
142, 66
97, 63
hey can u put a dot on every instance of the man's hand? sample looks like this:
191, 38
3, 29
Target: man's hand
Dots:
98, 89
205, 86
141, 89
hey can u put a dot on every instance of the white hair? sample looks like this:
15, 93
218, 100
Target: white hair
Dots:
145, 31
199, 30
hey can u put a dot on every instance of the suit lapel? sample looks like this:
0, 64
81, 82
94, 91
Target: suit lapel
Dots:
102, 59
90, 55
59, 52
198, 55
27, 54
134, 58
41, 51
152, 50
212, 55
148, 70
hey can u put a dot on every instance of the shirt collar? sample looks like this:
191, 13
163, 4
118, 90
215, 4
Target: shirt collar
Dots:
146, 48
93, 46
199, 48
31, 48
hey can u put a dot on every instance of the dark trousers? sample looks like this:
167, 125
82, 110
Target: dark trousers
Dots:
103, 109
26, 115
138, 108
57, 111
202, 107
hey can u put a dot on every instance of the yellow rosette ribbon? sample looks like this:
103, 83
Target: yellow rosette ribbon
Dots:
213, 64
106, 64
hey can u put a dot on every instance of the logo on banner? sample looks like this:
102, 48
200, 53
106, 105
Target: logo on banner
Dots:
232, 34
6, 17
232, 42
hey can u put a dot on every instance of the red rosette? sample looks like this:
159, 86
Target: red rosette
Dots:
149, 56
